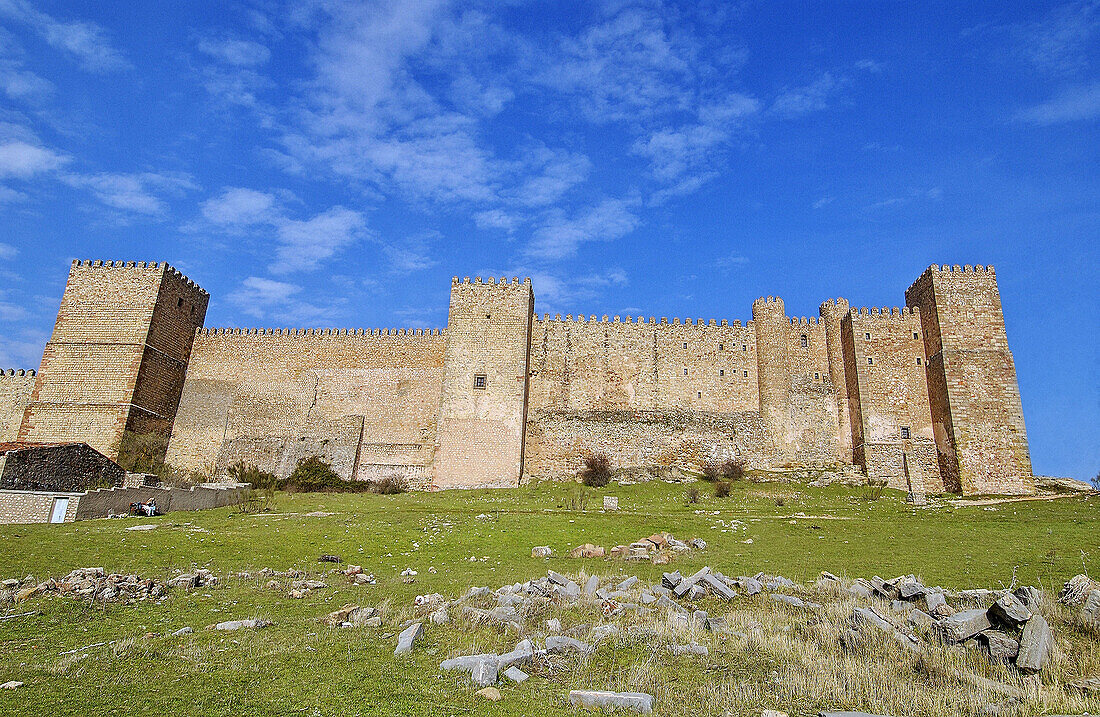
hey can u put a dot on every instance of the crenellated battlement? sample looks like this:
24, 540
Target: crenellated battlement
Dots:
168, 269
392, 333
491, 281
885, 312
806, 320
936, 269
637, 320
20, 372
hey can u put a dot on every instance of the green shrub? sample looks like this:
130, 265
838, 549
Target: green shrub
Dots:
733, 470
712, 471
390, 485
313, 474
250, 474
142, 452
722, 489
692, 495
596, 472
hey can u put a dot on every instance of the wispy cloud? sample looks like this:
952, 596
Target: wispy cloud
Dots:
240, 53
814, 97
823, 202
85, 41
241, 207
140, 193
21, 159
1060, 42
7, 251
264, 299
559, 235
1075, 104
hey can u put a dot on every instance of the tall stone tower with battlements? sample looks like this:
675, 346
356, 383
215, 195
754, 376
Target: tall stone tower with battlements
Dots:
118, 354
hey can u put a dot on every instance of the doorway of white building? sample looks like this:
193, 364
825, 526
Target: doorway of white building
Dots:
60, 507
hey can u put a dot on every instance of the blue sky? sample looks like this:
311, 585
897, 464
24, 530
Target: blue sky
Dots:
334, 164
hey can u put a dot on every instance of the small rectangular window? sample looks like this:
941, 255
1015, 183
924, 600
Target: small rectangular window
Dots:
699, 394
721, 372
905, 433
744, 347
867, 335
817, 377
746, 374
179, 303
805, 341
685, 344
719, 347
870, 361
479, 380
918, 360
916, 335
685, 372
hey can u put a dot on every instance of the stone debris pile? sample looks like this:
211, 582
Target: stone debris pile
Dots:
658, 548
98, 585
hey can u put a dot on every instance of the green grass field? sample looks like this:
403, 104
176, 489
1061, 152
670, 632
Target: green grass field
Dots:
298, 666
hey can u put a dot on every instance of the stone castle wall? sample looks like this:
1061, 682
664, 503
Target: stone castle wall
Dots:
924, 397
16, 387
364, 400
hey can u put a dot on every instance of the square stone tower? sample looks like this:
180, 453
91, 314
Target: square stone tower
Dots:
118, 354
483, 404
977, 417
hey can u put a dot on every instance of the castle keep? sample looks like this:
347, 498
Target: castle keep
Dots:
923, 396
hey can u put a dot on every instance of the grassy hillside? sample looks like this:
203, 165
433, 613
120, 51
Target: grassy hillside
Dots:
298, 666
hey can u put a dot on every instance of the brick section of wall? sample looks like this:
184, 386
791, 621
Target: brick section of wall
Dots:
117, 356
365, 400
67, 468
975, 399
20, 506
480, 437
16, 387
888, 395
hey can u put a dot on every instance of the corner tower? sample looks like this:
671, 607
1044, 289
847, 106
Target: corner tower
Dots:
977, 417
832, 313
773, 369
118, 354
483, 403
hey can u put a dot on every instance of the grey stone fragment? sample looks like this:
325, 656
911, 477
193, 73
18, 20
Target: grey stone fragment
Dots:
1090, 613
919, 618
182, 631
484, 673
561, 643
476, 592
627, 584
963, 625
591, 585
934, 600
254, 623
515, 675
592, 699
1008, 610
695, 592
1036, 644
665, 601
717, 625
719, 588
465, 663
557, 578
1000, 645
860, 589
648, 598
685, 585
910, 590
523, 652
553, 625
1028, 595
602, 632
789, 599
407, 637
603, 594
671, 580
751, 586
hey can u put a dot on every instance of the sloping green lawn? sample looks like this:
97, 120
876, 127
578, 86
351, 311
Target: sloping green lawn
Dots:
454, 540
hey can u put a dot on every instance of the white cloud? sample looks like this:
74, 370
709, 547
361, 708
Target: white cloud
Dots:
85, 41
24, 85
793, 101
303, 245
1061, 41
240, 53
139, 193
562, 171
559, 236
239, 206
22, 160
1075, 104
263, 298
823, 202
554, 294
7, 251
497, 219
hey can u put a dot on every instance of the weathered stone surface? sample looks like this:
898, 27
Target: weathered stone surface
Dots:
556, 578
408, 636
465, 663
490, 693
1090, 613
1036, 645
963, 625
515, 675
591, 585
484, 673
523, 651
789, 599
561, 643
919, 618
718, 587
1009, 611
934, 601
594, 699
750, 586
252, 623
1029, 595
11, 685
627, 584
1000, 646
910, 590
541, 551
671, 580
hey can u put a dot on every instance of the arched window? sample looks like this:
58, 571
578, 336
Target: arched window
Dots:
805, 341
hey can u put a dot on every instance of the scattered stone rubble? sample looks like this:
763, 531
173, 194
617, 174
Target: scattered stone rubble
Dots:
97, 584
658, 548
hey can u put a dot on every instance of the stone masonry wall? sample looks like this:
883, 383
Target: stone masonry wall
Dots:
484, 398
888, 395
22, 506
117, 356
364, 400
72, 467
975, 399
16, 387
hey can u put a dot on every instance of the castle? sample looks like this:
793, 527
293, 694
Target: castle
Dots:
924, 396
